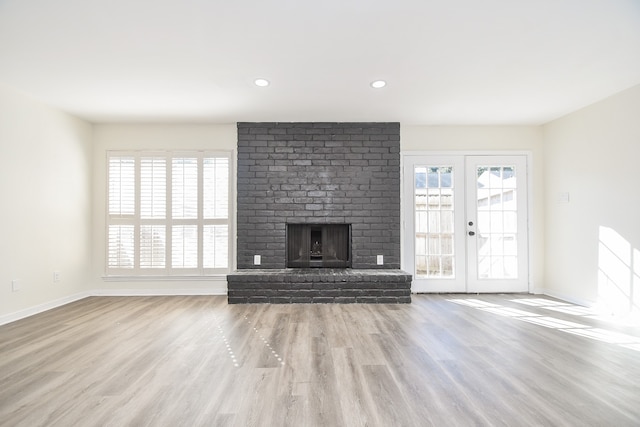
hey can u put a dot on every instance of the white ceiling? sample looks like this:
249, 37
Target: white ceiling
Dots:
445, 61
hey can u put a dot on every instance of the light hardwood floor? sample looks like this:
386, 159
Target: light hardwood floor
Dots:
444, 360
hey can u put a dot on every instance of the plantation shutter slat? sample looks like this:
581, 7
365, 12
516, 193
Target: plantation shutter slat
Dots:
152, 246
216, 242
184, 251
121, 186
120, 241
184, 175
215, 206
216, 187
184, 199
153, 187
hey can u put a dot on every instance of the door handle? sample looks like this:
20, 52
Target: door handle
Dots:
472, 233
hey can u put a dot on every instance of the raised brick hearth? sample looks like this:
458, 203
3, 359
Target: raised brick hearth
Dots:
318, 173
315, 285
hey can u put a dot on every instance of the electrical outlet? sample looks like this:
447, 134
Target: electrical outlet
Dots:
15, 285
56, 276
380, 260
257, 259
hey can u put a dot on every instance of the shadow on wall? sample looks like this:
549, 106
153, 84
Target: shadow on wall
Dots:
618, 274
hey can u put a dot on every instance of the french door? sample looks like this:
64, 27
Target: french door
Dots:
467, 224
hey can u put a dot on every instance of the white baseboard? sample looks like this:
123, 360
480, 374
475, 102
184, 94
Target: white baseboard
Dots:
567, 298
158, 292
21, 314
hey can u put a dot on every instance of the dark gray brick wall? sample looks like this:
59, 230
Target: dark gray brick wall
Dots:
318, 173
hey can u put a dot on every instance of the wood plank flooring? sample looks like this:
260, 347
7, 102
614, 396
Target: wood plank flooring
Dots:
444, 360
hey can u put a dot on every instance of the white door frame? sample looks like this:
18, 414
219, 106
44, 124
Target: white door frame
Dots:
407, 210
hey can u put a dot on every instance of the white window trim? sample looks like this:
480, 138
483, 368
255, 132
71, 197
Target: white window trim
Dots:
161, 274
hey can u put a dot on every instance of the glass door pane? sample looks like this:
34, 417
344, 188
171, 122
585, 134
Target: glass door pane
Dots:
497, 214
496, 226
434, 227
434, 222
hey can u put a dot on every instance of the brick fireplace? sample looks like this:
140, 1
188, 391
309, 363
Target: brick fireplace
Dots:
313, 179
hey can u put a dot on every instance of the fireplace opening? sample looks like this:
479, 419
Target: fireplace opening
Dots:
318, 245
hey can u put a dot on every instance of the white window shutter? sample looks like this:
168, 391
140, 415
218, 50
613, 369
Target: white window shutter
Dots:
216, 246
153, 243
216, 187
120, 243
184, 246
122, 186
153, 187
184, 186
168, 213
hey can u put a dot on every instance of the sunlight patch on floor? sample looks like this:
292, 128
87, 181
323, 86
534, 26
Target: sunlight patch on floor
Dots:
576, 310
508, 311
552, 322
624, 340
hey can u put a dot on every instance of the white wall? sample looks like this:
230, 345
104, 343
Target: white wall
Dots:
46, 205
140, 137
491, 139
594, 156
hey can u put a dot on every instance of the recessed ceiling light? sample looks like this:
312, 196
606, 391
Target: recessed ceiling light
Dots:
261, 82
378, 84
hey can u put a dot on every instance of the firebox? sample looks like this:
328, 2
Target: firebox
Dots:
319, 245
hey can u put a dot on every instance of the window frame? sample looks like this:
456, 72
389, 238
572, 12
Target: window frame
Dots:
135, 219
